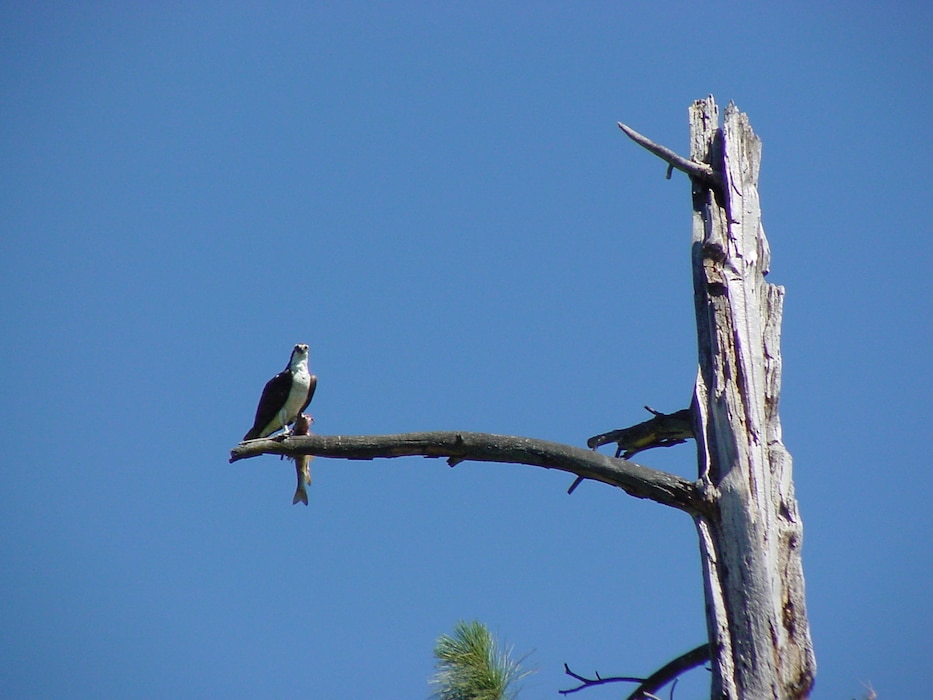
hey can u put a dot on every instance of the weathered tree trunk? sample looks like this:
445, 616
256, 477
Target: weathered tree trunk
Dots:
750, 541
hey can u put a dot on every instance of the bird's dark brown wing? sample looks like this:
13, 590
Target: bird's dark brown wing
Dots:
274, 395
311, 388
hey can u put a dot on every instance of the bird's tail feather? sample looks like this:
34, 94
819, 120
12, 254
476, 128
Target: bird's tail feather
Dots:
301, 494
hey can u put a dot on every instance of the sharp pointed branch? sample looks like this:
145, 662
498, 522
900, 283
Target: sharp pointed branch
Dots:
662, 430
634, 479
700, 171
576, 482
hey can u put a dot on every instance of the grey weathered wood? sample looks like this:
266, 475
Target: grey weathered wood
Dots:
701, 171
459, 446
750, 545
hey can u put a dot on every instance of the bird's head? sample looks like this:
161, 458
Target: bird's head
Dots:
299, 355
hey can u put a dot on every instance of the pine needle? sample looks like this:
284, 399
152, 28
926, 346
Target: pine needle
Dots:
472, 666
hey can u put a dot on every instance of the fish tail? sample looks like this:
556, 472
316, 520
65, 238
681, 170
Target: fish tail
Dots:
301, 494
303, 472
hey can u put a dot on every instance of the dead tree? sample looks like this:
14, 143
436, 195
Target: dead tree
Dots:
743, 501
750, 538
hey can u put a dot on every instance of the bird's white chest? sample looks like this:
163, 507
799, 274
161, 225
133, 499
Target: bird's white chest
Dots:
301, 383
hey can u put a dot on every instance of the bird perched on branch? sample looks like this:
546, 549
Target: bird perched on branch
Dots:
285, 396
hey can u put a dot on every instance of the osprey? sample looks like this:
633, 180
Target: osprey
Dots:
285, 396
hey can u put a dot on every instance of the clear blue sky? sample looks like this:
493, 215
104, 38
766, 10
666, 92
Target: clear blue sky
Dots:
436, 198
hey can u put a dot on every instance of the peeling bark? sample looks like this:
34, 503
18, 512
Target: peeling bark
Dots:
750, 543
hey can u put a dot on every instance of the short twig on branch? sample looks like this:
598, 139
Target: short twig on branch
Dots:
652, 683
700, 171
599, 680
634, 479
663, 430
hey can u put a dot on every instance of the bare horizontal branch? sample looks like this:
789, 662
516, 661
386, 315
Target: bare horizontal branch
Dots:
700, 171
634, 479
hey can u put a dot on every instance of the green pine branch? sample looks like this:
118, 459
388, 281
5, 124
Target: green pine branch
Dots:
471, 665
